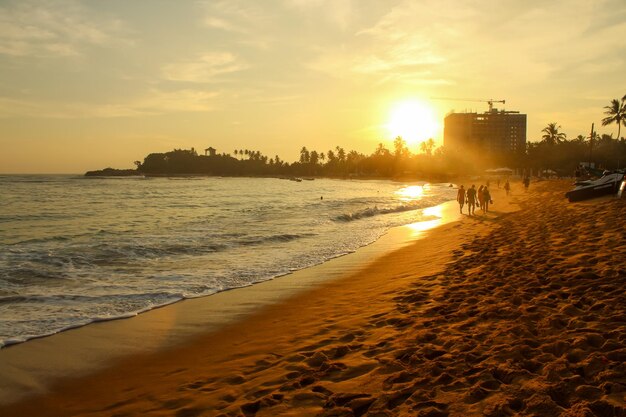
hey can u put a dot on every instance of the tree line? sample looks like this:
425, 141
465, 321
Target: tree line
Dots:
552, 152
383, 162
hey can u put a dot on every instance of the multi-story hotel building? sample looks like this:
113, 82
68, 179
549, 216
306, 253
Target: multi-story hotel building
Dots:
495, 132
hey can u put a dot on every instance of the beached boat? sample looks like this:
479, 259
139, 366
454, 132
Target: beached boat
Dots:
609, 183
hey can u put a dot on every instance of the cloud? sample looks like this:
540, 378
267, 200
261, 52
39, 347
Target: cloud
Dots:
203, 69
155, 102
57, 29
452, 43
339, 12
233, 17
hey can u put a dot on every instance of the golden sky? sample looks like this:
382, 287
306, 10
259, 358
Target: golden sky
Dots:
90, 84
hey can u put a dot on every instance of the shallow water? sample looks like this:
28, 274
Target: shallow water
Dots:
76, 250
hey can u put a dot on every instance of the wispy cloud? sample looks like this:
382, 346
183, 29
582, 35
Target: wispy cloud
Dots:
36, 28
233, 16
448, 42
204, 68
339, 12
155, 102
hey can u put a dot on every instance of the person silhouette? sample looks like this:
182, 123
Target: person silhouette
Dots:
460, 197
471, 200
486, 199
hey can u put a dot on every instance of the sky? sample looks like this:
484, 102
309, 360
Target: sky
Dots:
93, 84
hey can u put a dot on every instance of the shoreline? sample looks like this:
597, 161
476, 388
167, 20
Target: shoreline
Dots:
33, 371
14, 336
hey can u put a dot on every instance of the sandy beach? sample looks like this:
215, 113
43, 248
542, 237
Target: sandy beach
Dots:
521, 311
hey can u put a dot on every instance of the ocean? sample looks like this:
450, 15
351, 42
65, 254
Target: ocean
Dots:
76, 250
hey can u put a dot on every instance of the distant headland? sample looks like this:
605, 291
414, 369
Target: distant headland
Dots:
112, 172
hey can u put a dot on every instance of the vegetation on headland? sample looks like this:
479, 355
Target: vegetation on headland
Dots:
333, 163
553, 152
112, 172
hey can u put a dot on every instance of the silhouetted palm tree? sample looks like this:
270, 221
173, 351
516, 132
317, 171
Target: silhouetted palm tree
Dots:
427, 146
400, 147
381, 150
551, 135
341, 153
305, 155
616, 113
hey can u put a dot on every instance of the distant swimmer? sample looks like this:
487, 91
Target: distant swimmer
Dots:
471, 200
460, 197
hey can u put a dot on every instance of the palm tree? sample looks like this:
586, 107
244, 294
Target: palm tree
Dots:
399, 145
341, 154
551, 135
427, 146
616, 113
305, 155
381, 150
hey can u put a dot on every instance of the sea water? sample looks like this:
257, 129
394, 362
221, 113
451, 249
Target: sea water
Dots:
74, 250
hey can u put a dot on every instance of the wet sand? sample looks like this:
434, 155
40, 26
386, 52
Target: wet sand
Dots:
509, 313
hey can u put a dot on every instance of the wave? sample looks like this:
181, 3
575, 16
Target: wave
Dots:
64, 238
49, 263
150, 302
27, 217
273, 238
375, 211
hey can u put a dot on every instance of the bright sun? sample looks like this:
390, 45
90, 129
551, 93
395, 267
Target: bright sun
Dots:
413, 120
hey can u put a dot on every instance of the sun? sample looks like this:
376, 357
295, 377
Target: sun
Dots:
413, 120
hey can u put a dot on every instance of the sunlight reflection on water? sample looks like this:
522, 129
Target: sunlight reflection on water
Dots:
420, 227
411, 193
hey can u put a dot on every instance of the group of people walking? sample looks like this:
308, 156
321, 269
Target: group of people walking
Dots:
474, 197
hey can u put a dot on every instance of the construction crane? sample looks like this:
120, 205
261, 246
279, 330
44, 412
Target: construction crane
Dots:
490, 101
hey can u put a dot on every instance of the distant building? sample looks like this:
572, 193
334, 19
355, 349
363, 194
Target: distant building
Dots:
496, 132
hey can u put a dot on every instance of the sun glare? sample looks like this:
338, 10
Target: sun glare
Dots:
413, 120
411, 193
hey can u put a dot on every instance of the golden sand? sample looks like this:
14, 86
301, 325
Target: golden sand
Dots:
519, 313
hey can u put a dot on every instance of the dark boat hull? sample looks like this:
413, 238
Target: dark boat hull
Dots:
598, 188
